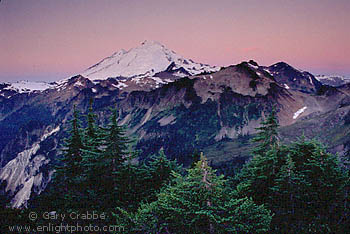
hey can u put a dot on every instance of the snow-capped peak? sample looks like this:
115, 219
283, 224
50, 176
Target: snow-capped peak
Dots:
147, 59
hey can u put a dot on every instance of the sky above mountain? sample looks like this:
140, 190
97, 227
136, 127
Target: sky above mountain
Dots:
49, 39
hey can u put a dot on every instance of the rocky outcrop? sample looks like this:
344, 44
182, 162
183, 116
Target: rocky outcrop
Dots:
23, 174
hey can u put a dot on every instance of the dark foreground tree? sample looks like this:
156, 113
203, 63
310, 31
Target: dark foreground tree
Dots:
301, 183
66, 191
199, 202
104, 162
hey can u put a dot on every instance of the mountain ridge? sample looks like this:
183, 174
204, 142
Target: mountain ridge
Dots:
179, 114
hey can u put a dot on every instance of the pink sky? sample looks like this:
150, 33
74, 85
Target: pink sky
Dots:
51, 39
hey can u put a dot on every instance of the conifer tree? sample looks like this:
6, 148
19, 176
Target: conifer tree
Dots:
106, 163
199, 202
160, 169
73, 147
130, 191
259, 174
267, 135
90, 157
301, 183
141, 182
116, 143
91, 128
66, 188
319, 186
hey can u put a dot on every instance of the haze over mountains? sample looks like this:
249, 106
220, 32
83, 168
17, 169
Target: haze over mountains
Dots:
166, 101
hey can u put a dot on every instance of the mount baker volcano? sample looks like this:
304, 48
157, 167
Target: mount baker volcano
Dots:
166, 101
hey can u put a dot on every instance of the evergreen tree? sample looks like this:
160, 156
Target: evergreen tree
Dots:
141, 182
66, 189
301, 183
73, 149
134, 186
197, 203
259, 174
318, 191
115, 155
116, 144
91, 156
104, 160
91, 126
160, 169
267, 135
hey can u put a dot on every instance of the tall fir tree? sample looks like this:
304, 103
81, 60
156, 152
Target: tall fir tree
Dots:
142, 181
105, 162
267, 134
66, 189
199, 202
90, 157
258, 175
73, 148
301, 183
317, 188
160, 169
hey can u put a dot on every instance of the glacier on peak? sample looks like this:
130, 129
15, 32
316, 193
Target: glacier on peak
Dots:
147, 59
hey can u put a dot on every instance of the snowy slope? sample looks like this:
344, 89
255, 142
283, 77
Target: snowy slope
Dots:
27, 86
148, 59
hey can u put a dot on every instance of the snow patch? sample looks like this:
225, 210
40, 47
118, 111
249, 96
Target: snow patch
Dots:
268, 72
310, 79
299, 112
46, 135
253, 66
78, 83
158, 80
120, 85
331, 77
27, 86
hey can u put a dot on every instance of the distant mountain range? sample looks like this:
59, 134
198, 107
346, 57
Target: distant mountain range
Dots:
169, 102
333, 80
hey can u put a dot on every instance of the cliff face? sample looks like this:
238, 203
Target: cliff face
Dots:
26, 172
207, 112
